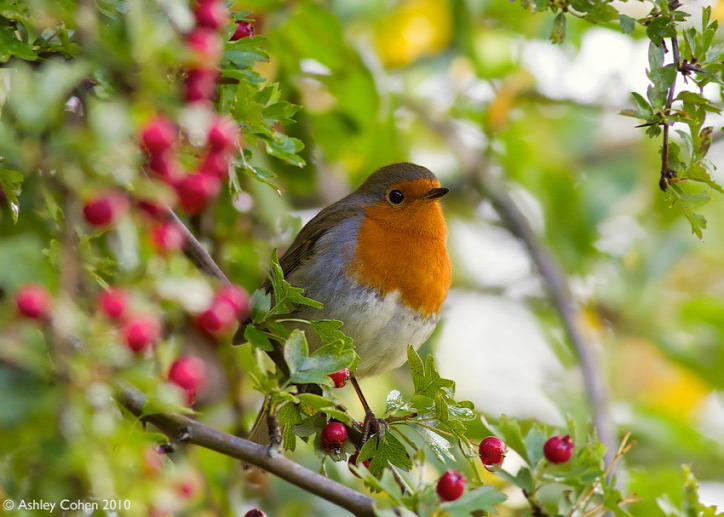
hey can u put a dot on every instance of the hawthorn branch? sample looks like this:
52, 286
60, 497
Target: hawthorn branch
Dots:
176, 425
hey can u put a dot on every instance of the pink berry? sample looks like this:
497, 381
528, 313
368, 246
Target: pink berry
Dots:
140, 332
215, 163
168, 237
451, 485
114, 303
158, 135
151, 208
206, 45
201, 84
243, 30
222, 134
237, 297
255, 513
340, 378
217, 319
558, 449
196, 190
105, 209
33, 301
492, 451
165, 165
211, 14
333, 436
188, 372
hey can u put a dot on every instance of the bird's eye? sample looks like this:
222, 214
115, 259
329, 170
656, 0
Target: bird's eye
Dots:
396, 197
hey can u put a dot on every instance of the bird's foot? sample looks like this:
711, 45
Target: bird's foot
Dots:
372, 423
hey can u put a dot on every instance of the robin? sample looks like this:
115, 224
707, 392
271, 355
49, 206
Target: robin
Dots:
377, 260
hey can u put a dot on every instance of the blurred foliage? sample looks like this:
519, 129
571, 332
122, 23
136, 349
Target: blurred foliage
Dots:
325, 93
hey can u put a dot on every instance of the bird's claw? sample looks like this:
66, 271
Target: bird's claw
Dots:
372, 423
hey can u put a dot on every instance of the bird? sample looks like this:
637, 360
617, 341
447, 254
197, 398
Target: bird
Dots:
378, 262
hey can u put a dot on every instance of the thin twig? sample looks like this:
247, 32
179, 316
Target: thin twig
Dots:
245, 450
666, 173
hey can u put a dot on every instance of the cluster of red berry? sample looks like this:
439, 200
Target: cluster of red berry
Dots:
492, 450
159, 136
140, 331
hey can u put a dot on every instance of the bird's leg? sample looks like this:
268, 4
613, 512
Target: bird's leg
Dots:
371, 421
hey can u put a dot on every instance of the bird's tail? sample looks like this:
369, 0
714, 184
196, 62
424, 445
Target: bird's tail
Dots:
259, 433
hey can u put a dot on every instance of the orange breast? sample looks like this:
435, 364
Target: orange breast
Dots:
405, 253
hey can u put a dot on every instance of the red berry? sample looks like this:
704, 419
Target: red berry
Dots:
33, 301
492, 451
206, 45
217, 319
255, 513
168, 237
237, 297
188, 372
340, 378
222, 134
333, 436
558, 449
201, 84
451, 485
196, 190
211, 14
105, 209
141, 332
353, 460
158, 135
215, 163
114, 303
243, 30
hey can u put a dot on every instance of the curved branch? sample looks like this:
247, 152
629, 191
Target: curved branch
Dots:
548, 267
177, 425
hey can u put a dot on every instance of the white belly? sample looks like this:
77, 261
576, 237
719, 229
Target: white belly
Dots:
381, 328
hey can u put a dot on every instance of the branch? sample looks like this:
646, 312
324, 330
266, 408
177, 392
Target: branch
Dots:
666, 173
175, 425
548, 267
195, 252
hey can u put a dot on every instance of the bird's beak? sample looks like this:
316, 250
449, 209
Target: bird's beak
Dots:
435, 193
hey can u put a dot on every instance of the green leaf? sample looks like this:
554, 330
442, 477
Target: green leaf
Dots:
558, 32
438, 444
328, 331
390, 451
260, 303
10, 46
482, 498
257, 338
513, 437
11, 183
315, 368
534, 441
628, 24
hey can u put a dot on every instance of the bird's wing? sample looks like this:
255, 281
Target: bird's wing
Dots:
303, 247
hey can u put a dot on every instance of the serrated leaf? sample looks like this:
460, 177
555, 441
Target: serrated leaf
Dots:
389, 451
439, 445
513, 436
